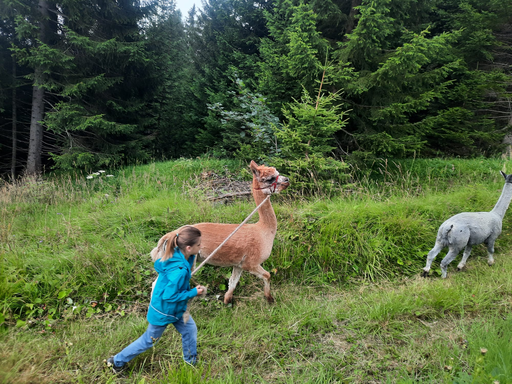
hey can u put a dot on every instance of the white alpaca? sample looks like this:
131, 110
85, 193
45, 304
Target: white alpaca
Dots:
468, 229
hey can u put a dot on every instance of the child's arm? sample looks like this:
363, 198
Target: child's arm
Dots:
172, 293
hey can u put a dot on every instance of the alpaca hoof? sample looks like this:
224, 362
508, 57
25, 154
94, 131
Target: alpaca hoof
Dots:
228, 301
490, 263
459, 269
424, 274
270, 299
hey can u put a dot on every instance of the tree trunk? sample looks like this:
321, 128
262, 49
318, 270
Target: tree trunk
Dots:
351, 22
14, 121
34, 165
36, 129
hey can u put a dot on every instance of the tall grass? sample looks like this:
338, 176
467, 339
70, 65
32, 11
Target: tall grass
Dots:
61, 234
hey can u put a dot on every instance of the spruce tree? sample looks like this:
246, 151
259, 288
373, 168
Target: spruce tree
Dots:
307, 142
292, 54
225, 41
415, 90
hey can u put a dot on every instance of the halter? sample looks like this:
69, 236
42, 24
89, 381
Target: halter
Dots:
273, 186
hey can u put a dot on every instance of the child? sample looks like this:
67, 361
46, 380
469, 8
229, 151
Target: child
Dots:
169, 301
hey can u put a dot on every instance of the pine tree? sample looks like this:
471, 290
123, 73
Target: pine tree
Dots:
15, 98
293, 53
171, 110
36, 23
416, 91
306, 142
225, 44
248, 127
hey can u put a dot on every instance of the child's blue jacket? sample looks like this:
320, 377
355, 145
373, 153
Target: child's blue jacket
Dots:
172, 289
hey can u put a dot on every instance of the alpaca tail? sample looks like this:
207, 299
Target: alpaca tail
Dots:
442, 235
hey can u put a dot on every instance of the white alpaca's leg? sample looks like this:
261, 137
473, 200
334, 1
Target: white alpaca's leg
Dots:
450, 256
490, 252
233, 281
467, 252
262, 274
431, 256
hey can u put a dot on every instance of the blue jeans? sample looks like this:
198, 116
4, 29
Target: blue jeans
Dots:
152, 335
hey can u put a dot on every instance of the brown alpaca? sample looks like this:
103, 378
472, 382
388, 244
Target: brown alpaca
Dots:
251, 245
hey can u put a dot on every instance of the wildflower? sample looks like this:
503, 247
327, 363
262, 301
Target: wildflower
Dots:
101, 171
96, 173
110, 175
89, 177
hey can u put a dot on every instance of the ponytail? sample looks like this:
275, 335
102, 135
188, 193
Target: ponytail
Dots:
185, 236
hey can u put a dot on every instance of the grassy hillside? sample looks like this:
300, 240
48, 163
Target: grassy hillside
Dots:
75, 275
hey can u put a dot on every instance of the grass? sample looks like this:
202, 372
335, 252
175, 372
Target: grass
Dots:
399, 331
351, 308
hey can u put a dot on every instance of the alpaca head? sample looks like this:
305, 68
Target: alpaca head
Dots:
269, 179
508, 178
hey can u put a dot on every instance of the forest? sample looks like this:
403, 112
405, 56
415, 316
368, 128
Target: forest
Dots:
307, 85
122, 120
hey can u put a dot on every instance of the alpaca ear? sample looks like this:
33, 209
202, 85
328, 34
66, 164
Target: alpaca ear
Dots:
504, 174
254, 168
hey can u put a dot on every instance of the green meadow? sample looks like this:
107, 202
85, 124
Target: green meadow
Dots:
351, 306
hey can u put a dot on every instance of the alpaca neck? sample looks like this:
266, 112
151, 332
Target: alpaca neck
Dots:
266, 212
503, 202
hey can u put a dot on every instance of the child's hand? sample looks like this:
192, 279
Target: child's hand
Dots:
200, 289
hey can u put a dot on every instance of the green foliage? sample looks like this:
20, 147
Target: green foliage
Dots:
130, 81
417, 92
306, 142
223, 47
248, 128
100, 104
292, 54
172, 113
374, 27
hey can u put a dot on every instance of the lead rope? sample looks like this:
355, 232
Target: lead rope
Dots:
229, 237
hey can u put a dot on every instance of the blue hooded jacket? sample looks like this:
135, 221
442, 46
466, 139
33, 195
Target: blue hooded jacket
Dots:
172, 289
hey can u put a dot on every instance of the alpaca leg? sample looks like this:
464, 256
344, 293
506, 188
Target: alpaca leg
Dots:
233, 281
450, 256
431, 256
262, 274
490, 252
467, 252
